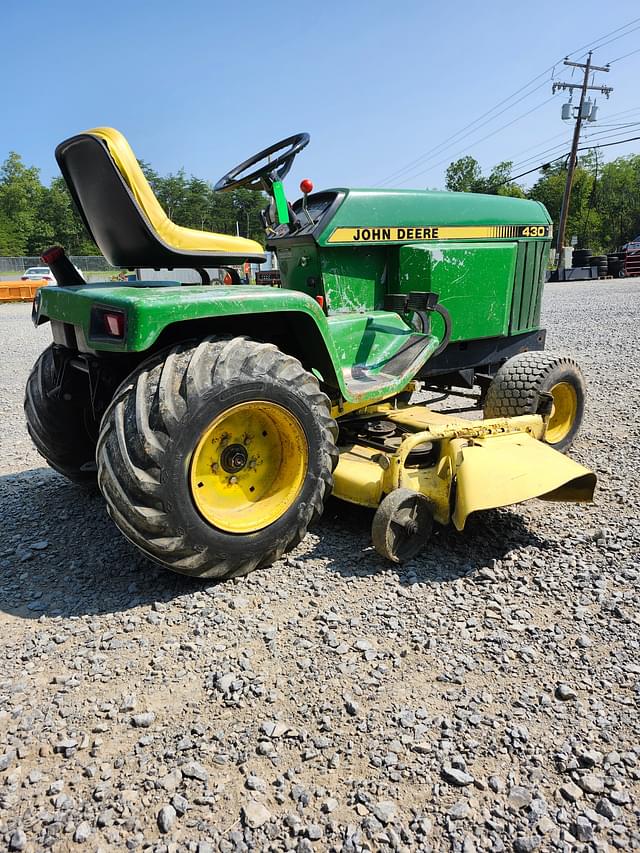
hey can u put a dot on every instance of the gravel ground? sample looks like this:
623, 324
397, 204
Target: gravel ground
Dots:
482, 697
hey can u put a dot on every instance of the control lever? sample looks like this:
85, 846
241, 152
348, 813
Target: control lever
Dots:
306, 187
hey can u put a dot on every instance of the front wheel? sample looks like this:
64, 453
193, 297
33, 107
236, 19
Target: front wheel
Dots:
215, 457
516, 388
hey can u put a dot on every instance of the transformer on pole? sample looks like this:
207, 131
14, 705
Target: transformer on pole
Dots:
585, 111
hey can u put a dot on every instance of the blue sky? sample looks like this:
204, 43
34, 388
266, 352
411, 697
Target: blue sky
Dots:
202, 84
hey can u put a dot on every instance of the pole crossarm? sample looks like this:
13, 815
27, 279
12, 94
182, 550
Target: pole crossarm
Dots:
558, 85
584, 65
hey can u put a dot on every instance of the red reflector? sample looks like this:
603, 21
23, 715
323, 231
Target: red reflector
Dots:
114, 324
320, 301
53, 254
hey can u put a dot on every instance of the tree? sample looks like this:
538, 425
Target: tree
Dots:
20, 197
583, 219
61, 223
618, 201
465, 175
33, 216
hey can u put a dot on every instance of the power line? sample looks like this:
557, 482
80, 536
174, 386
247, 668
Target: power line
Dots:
536, 145
456, 137
611, 134
543, 153
537, 168
488, 136
637, 50
513, 159
593, 44
607, 134
622, 35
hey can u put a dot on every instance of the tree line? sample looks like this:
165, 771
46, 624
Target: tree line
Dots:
604, 211
605, 202
34, 216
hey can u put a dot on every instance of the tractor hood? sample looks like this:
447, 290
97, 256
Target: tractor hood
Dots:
344, 216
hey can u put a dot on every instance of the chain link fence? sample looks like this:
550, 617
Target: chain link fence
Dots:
85, 263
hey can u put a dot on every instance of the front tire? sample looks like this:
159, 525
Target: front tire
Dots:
61, 425
516, 388
215, 457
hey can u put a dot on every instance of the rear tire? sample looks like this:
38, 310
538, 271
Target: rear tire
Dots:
516, 388
215, 457
64, 431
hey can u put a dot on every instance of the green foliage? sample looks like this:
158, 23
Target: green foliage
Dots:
605, 201
34, 216
193, 203
20, 199
465, 175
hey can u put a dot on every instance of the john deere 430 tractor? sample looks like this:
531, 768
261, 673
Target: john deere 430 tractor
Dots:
218, 420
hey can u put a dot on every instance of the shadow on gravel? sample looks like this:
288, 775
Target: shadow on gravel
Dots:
61, 555
449, 556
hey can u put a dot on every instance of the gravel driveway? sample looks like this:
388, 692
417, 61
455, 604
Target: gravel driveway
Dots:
482, 697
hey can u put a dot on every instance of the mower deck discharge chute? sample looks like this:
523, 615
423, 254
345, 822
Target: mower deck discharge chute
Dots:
218, 420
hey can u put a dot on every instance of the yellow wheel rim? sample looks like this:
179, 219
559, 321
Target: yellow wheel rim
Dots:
563, 414
249, 467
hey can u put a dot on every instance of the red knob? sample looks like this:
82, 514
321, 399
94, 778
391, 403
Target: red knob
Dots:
306, 186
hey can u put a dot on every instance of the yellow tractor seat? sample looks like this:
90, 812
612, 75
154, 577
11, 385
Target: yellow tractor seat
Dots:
125, 218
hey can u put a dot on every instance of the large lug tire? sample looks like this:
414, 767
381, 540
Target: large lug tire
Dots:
63, 430
215, 457
516, 388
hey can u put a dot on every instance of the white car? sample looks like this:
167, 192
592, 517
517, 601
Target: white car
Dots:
38, 274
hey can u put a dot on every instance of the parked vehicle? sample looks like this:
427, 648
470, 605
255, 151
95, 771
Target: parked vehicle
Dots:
38, 274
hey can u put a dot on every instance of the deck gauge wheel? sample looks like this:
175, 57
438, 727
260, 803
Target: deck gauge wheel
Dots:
402, 525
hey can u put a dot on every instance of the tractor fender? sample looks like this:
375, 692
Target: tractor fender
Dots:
158, 314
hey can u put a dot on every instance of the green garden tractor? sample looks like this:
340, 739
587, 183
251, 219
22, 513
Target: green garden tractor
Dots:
217, 420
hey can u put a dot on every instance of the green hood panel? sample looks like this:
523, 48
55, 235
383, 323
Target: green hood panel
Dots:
424, 209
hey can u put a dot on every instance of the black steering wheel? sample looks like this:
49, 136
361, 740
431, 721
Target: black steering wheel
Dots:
273, 170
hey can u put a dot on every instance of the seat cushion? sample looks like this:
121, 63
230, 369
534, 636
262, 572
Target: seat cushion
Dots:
183, 240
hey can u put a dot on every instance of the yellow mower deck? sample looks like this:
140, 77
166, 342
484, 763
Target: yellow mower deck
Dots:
474, 464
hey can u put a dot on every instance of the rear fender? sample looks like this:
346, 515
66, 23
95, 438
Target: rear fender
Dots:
158, 314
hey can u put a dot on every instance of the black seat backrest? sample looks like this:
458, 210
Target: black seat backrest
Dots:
113, 216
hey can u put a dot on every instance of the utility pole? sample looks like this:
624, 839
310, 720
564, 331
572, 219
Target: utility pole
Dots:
582, 113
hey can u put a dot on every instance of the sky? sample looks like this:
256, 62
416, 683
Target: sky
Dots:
379, 85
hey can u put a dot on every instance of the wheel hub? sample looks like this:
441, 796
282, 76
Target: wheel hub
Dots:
234, 458
249, 467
